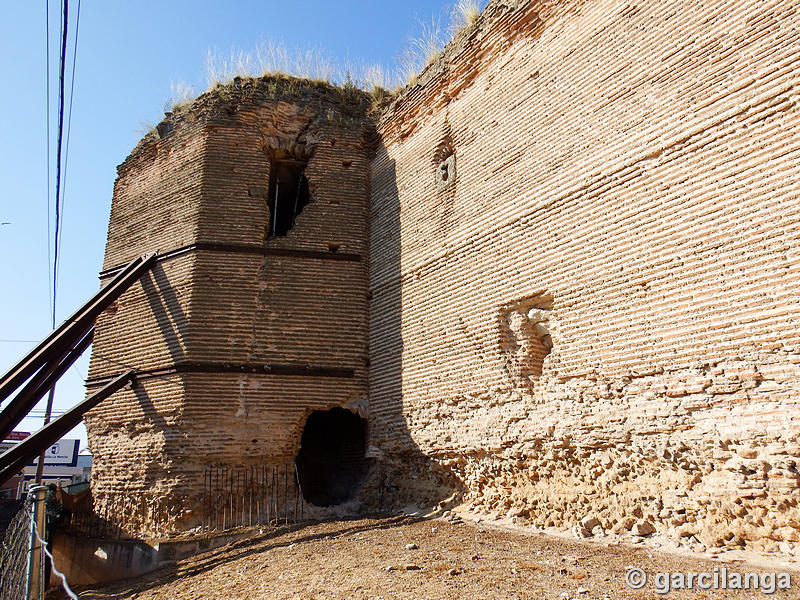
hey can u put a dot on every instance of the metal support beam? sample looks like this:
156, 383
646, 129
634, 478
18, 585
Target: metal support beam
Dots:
17, 457
70, 331
38, 386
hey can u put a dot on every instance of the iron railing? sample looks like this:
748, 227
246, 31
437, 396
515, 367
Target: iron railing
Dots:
233, 496
243, 496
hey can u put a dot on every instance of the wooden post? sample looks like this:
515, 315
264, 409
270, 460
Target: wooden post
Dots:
36, 575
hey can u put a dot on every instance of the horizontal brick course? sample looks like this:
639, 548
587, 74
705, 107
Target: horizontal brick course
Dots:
598, 314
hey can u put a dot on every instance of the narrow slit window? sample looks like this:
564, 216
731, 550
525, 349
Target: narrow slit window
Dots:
288, 195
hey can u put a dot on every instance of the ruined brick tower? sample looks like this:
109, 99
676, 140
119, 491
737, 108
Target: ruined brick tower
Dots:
256, 314
559, 274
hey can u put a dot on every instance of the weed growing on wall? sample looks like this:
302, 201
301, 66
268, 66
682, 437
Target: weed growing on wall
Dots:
274, 57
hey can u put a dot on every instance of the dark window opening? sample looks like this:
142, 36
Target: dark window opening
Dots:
288, 195
331, 464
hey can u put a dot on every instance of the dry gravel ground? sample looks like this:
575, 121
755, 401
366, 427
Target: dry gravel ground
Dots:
416, 558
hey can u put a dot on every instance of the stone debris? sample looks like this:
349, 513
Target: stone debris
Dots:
581, 532
642, 528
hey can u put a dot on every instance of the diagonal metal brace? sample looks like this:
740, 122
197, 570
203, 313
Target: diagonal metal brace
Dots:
16, 458
67, 335
38, 386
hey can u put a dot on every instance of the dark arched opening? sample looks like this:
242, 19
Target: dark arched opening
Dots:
331, 462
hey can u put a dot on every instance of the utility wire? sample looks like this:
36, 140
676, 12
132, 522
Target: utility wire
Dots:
56, 243
69, 116
47, 120
59, 142
99, 356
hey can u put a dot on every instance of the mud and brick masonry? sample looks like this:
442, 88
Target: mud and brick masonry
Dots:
559, 274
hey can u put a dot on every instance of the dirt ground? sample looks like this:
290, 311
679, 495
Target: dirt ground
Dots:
412, 558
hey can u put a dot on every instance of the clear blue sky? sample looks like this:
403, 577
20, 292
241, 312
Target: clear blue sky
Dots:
128, 55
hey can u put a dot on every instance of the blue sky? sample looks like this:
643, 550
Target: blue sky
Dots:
128, 56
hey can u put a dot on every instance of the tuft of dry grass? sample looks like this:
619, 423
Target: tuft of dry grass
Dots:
463, 14
421, 50
181, 96
273, 57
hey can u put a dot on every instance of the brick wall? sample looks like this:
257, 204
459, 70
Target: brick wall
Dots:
599, 315
578, 295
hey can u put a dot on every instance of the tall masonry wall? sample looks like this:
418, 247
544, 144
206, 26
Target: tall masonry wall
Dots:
237, 335
585, 268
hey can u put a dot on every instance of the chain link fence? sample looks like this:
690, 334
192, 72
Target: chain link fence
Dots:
14, 556
25, 559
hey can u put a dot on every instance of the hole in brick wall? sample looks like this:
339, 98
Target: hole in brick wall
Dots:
288, 194
444, 158
164, 128
525, 337
331, 464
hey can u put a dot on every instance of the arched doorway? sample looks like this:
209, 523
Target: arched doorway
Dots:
331, 463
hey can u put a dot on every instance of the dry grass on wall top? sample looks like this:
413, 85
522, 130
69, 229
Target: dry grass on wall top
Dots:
272, 57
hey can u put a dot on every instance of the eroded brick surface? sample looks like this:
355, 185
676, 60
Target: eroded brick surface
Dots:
636, 163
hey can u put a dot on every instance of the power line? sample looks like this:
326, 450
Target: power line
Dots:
56, 243
112, 361
78, 373
69, 115
59, 141
47, 120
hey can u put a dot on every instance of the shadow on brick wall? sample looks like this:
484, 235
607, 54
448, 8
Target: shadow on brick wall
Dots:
403, 475
166, 308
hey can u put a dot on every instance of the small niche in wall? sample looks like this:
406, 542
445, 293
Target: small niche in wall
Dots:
446, 172
288, 194
445, 160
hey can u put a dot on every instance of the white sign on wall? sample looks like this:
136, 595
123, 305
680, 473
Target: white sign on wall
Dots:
64, 453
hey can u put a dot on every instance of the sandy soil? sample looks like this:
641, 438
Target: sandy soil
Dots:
421, 558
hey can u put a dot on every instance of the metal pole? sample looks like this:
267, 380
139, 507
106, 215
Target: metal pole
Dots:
275, 208
47, 412
297, 199
35, 581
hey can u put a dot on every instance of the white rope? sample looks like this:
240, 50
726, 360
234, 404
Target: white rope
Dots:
64, 583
